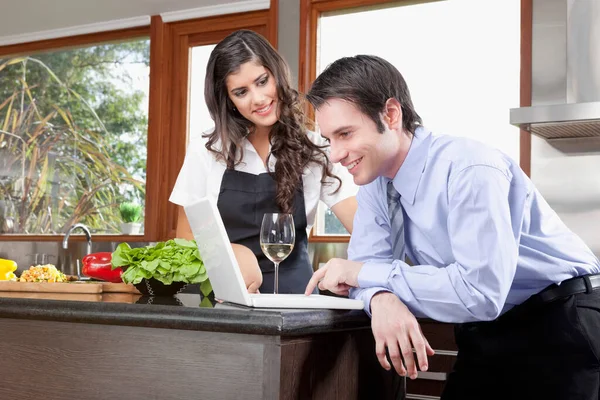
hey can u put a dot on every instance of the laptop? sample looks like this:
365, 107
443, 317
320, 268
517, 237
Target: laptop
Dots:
224, 272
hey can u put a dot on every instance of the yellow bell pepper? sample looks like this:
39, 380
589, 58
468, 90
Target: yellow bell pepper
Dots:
7, 268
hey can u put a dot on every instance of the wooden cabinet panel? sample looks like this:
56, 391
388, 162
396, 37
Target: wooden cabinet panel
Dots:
431, 383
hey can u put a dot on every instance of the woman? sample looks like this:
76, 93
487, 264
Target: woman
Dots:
260, 158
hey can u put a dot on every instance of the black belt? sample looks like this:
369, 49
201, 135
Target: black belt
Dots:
579, 284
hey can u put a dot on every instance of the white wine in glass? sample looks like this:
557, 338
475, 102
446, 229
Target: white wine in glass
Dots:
277, 237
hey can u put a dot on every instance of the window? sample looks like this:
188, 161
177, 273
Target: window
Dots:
462, 72
327, 224
199, 118
73, 137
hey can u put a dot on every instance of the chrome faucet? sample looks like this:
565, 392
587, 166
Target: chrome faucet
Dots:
88, 236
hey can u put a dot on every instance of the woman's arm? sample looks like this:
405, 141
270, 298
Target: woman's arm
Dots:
248, 266
345, 210
244, 256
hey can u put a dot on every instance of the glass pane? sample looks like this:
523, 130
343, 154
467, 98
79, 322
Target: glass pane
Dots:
462, 72
73, 134
463, 75
199, 118
331, 225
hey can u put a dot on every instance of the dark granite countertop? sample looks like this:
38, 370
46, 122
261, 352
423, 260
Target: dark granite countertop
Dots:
184, 311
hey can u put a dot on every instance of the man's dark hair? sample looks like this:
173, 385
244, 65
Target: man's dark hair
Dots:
367, 82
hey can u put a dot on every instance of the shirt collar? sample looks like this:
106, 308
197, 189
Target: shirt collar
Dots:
409, 175
248, 147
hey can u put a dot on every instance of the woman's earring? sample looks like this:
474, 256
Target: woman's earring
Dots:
234, 109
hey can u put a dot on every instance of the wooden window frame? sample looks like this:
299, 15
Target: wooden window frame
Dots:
310, 12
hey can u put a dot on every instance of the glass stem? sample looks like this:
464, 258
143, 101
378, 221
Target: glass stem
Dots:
276, 283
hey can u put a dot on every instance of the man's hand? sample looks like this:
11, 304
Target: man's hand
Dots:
337, 276
396, 328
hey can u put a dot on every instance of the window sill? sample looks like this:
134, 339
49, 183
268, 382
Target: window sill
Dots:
73, 237
328, 238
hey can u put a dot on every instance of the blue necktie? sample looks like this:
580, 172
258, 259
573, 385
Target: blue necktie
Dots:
396, 222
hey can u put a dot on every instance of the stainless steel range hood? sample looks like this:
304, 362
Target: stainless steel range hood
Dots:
565, 71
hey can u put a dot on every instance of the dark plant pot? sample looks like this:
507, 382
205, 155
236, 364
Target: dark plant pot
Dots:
159, 300
153, 287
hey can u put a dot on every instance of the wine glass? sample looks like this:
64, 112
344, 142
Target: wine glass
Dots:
277, 237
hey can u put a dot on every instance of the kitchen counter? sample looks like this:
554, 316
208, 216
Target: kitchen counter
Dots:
184, 311
59, 346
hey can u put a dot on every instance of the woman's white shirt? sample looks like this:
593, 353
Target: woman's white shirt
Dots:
201, 176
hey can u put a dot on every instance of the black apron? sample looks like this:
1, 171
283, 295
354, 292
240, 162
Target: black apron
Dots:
243, 200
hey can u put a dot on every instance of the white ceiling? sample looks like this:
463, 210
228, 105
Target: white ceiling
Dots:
20, 17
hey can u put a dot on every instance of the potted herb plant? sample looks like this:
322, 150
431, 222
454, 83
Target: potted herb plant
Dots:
131, 215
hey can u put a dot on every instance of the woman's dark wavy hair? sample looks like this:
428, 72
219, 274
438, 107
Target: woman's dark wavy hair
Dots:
289, 143
367, 82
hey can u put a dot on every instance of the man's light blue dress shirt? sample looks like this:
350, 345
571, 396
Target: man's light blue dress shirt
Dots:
481, 237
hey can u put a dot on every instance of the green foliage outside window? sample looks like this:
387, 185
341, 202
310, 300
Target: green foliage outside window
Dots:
333, 226
73, 138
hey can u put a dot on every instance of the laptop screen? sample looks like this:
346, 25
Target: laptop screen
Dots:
216, 252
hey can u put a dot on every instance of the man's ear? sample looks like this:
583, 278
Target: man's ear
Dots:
392, 115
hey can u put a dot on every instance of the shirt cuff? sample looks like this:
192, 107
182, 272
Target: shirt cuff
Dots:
366, 295
177, 198
181, 198
374, 274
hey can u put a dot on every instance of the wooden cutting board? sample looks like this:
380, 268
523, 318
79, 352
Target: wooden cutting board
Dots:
119, 297
47, 287
57, 296
94, 297
108, 287
67, 287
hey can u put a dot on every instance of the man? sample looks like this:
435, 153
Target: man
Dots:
487, 252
